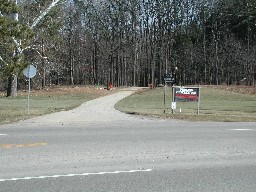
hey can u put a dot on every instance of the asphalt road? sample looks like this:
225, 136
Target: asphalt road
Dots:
95, 148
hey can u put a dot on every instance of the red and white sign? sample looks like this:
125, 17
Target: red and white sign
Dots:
186, 94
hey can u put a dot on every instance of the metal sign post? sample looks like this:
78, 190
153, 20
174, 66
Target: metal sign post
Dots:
28, 93
173, 101
29, 72
198, 102
165, 97
169, 78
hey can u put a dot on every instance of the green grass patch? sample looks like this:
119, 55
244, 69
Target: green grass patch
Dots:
45, 101
216, 105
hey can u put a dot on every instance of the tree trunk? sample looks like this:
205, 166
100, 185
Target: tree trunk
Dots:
12, 86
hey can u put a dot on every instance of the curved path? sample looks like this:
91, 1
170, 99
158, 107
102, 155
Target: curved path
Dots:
100, 110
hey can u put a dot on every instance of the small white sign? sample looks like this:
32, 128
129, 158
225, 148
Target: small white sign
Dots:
173, 105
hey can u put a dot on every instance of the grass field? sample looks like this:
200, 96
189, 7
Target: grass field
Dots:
48, 100
217, 103
228, 104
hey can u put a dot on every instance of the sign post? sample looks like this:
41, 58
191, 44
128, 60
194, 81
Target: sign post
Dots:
29, 72
169, 78
173, 101
198, 102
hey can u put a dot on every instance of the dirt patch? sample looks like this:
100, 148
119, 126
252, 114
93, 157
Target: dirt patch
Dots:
60, 90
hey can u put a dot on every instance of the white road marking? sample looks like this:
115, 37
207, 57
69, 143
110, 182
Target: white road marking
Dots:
241, 129
3, 134
73, 175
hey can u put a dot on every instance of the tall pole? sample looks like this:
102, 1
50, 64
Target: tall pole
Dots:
165, 96
29, 72
198, 102
28, 86
43, 62
165, 86
28, 93
172, 99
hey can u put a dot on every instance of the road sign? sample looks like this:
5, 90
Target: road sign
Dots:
30, 71
169, 78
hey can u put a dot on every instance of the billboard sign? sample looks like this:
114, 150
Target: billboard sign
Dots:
186, 94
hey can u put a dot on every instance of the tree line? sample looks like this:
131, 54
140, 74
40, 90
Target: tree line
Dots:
128, 42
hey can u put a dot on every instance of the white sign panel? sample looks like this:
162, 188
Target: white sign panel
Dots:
174, 105
30, 71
